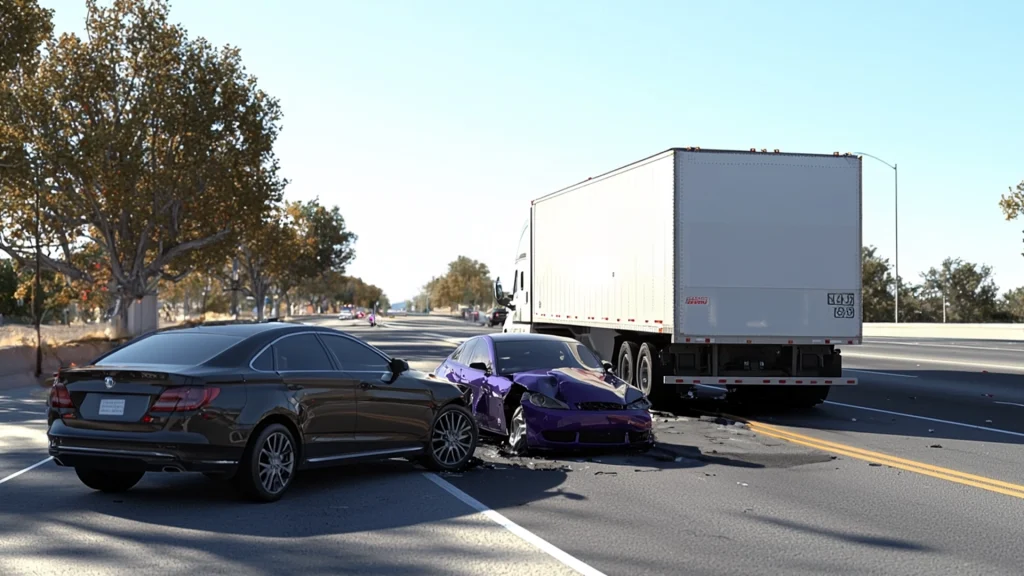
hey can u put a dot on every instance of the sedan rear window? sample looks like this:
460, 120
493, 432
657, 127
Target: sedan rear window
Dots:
514, 356
181, 348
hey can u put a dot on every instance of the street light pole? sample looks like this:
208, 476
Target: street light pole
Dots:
896, 224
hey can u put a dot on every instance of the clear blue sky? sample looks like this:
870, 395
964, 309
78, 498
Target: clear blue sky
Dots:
449, 116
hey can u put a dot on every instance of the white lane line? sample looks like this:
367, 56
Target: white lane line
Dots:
542, 544
1016, 367
927, 345
880, 373
915, 416
1008, 403
20, 472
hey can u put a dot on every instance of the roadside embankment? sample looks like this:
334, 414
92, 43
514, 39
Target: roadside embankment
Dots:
18, 363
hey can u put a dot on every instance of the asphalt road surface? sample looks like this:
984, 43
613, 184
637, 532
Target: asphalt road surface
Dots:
914, 471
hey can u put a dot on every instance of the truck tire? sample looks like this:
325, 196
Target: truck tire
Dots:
646, 369
625, 362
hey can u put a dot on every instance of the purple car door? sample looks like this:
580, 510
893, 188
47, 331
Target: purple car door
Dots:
479, 366
451, 369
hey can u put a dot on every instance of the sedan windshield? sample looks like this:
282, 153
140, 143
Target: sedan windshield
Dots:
524, 355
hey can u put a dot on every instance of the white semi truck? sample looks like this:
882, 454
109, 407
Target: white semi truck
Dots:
731, 269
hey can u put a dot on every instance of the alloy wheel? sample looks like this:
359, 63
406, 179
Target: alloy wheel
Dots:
276, 462
452, 438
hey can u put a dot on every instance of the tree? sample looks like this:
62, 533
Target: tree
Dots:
1012, 204
8, 290
156, 147
466, 282
318, 243
966, 289
331, 241
264, 256
1011, 305
24, 25
877, 286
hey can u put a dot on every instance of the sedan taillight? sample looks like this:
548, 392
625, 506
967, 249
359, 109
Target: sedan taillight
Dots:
184, 399
59, 395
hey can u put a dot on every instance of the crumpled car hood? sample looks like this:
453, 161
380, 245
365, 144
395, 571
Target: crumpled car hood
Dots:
574, 385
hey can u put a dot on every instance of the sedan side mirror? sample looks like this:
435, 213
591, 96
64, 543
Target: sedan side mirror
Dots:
481, 367
607, 366
398, 366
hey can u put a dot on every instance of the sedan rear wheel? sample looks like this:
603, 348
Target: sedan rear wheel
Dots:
108, 480
453, 439
268, 468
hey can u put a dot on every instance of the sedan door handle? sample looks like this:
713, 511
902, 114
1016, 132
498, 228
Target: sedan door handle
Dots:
366, 385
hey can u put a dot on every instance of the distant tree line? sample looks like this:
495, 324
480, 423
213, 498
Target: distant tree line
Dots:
136, 159
966, 289
467, 282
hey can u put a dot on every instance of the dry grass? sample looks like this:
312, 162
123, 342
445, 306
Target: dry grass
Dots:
53, 336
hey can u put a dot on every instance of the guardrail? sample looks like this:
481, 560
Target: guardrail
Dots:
939, 330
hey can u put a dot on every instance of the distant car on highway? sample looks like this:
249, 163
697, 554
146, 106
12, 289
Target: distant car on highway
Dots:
254, 403
496, 316
548, 392
346, 314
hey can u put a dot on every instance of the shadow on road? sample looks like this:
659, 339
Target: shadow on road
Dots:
355, 518
929, 404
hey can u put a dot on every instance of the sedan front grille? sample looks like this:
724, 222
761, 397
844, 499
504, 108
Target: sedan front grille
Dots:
600, 406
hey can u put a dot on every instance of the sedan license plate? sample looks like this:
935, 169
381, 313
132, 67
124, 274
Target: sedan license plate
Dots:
111, 407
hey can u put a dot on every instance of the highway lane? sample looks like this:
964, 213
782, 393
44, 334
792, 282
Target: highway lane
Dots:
732, 501
738, 504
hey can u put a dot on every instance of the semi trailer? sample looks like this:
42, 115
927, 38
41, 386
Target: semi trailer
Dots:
738, 270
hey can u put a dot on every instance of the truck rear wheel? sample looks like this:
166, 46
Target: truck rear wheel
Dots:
645, 369
625, 364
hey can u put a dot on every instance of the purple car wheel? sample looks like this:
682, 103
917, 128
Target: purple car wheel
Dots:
517, 436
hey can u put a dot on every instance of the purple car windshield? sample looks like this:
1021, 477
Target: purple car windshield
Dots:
516, 356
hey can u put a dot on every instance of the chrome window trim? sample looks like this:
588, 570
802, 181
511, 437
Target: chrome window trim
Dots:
282, 337
330, 353
341, 367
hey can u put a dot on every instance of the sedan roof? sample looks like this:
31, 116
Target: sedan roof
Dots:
520, 337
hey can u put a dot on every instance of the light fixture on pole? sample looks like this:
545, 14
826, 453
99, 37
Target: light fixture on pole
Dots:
896, 219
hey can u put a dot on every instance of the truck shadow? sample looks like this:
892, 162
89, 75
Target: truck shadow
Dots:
929, 404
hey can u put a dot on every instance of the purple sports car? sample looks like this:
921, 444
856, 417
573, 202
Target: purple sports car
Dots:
548, 392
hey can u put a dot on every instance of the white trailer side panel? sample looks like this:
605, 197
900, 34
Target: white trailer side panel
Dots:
768, 246
602, 250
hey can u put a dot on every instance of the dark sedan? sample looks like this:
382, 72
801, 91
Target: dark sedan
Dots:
497, 316
548, 392
254, 403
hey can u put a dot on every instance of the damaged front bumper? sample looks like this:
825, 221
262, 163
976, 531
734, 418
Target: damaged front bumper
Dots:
567, 429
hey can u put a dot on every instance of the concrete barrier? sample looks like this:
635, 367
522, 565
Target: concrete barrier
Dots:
939, 330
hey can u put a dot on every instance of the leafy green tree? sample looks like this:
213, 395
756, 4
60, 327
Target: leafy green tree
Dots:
1011, 305
877, 282
156, 147
8, 289
466, 282
967, 289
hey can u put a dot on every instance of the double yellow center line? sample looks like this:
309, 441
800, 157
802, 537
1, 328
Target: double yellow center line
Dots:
998, 486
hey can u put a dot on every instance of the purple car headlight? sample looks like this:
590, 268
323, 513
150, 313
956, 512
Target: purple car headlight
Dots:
642, 404
542, 401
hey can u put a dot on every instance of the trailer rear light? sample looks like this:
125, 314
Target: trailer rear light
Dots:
59, 395
184, 399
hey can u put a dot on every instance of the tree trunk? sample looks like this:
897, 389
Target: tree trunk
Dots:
260, 292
